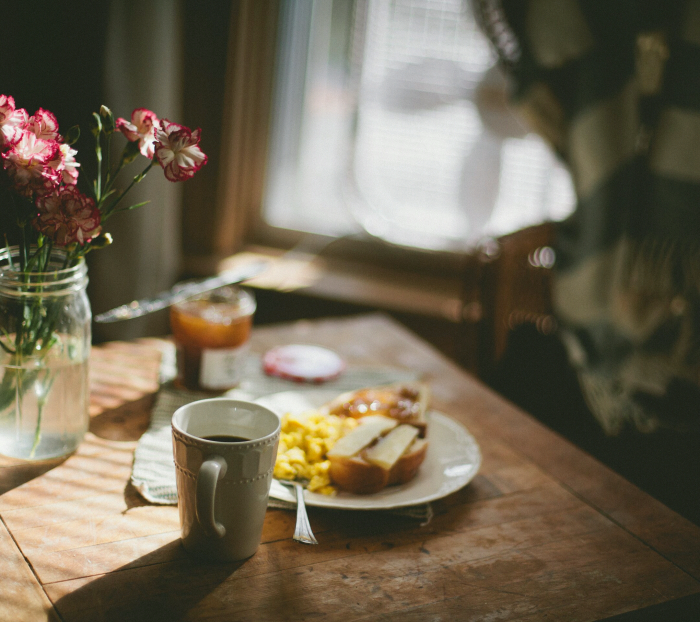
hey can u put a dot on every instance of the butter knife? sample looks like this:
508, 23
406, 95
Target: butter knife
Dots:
180, 292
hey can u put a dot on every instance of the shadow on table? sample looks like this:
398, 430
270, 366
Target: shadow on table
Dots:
125, 422
124, 379
168, 584
162, 585
14, 473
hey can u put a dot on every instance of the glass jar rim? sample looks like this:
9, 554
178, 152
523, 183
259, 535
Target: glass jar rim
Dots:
59, 279
242, 300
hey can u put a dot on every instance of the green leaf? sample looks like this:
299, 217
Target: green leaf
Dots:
128, 209
72, 135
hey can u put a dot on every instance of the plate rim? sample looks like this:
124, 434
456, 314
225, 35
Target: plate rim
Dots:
322, 501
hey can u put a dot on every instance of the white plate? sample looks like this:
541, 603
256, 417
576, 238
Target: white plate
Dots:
453, 459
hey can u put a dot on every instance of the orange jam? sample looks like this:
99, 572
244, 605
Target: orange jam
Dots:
211, 334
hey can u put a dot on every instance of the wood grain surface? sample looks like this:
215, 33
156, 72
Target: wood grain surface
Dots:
544, 532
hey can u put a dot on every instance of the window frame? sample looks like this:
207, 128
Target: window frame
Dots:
469, 300
240, 196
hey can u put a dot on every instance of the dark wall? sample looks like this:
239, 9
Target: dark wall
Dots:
206, 51
52, 57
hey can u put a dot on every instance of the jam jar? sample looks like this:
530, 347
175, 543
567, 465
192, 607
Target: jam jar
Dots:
211, 334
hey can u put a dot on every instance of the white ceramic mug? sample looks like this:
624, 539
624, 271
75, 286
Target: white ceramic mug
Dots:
223, 487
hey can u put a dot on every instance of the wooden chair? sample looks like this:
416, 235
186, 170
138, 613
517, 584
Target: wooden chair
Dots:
507, 283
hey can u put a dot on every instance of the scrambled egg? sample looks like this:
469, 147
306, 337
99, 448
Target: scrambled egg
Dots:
304, 440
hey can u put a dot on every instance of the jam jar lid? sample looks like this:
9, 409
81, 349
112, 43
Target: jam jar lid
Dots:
303, 363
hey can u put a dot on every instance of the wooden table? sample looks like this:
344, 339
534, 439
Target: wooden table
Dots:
543, 532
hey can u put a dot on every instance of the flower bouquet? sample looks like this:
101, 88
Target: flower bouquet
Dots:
51, 220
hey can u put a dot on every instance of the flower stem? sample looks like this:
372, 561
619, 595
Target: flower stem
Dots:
112, 178
41, 402
10, 261
98, 155
137, 178
22, 250
107, 147
47, 254
37, 431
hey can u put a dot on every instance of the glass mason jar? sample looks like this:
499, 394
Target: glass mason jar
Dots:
45, 334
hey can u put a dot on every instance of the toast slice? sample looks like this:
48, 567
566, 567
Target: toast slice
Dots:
373, 457
406, 402
354, 474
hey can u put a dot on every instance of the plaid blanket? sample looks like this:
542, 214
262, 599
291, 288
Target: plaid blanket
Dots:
614, 87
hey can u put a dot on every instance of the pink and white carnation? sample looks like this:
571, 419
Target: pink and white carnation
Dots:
27, 163
12, 121
67, 216
177, 150
66, 164
44, 125
141, 129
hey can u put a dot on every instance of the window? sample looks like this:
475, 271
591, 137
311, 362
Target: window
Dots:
389, 122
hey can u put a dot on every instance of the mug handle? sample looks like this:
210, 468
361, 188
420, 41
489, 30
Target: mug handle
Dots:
211, 471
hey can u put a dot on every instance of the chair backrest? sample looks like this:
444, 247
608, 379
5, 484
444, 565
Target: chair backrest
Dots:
507, 283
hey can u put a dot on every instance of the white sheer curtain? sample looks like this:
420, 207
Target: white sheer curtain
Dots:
143, 70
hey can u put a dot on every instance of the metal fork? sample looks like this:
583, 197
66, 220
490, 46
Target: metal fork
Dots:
302, 531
